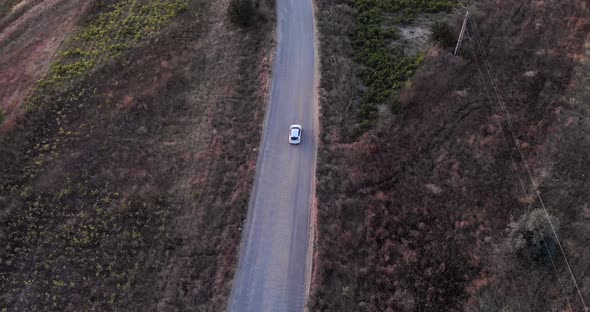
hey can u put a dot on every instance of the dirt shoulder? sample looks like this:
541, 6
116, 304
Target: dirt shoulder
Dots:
125, 187
413, 214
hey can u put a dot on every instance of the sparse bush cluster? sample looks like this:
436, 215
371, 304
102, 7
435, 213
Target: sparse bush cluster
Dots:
389, 240
531, 237
245, 13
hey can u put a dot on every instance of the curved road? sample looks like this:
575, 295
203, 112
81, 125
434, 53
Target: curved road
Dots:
273, 269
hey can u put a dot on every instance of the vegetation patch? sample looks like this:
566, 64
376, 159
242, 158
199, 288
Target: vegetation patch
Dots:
418, 213
73, 238
74, 250
6, 7
441, 33
241, 12
121, 188
385, 70
4, 10
121, 26
531, 238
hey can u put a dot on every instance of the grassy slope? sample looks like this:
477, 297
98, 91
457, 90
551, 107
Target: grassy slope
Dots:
124, 186
412, 214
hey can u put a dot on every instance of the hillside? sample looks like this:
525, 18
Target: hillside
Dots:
420, 207
123, 180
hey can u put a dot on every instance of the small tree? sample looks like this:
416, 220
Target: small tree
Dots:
532, 238
241, 12
441, 32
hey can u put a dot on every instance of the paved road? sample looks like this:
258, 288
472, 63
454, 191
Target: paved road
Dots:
272, 270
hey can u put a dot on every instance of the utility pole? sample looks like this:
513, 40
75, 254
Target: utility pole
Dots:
461, 34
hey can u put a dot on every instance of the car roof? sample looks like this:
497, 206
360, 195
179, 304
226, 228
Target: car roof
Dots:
295, 132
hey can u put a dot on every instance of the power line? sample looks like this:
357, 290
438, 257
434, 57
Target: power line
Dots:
528, 170
529, 208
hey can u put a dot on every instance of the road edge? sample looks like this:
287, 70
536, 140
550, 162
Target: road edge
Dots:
259, 157
312, 237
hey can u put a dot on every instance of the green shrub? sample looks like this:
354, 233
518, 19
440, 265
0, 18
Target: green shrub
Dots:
531, 238
1, 116
385, 71
391, 34
241, 12
441, 32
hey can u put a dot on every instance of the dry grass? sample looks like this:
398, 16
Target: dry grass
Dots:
412, 215
127, 189
29, 39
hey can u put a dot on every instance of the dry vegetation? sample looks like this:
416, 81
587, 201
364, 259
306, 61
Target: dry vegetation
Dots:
124, 185
6, 7
424, 212
30, 37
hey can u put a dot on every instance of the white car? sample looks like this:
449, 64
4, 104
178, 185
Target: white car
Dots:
295, 134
